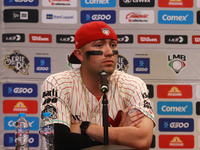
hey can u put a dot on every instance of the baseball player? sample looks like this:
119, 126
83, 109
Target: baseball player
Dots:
75, 101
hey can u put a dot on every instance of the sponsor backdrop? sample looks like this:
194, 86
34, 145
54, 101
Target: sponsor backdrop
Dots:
159, 41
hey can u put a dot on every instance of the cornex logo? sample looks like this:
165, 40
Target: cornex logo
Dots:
98, 3
175, 17
11, 37
174, 108
137, 3
176, 39
9, 123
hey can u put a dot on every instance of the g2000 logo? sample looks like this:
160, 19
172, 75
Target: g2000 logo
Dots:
42, 64
19, 90
17, 62
108, 16
21, 2
176, 124
141, 65
9, 139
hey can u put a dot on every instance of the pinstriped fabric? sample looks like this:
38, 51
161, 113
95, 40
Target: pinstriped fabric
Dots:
124, 90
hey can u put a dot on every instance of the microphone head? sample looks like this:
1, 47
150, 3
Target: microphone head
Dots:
103, 81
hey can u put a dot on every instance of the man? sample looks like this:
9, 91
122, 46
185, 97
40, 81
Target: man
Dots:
75, 100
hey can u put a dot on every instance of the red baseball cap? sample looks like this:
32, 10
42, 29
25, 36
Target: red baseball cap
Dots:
89, 32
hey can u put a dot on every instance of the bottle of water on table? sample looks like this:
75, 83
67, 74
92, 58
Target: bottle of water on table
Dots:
47, 132
22, 132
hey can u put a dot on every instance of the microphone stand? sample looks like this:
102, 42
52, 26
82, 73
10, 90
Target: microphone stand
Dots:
105, 118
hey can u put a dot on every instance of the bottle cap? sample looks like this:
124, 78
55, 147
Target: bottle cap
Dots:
22, 115
46, 114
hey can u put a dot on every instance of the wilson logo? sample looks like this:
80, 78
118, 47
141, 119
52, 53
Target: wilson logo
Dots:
196, 39
149, 39
40, 38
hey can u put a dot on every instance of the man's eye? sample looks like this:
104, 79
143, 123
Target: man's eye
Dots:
113, 45
98, 45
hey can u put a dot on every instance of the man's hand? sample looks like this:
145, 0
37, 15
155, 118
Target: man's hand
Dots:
75, 128
131, 119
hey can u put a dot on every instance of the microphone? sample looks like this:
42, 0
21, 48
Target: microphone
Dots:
103, 81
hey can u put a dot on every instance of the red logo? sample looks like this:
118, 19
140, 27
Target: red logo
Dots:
19, 106
40, 38
176, 141
174, 91
196, 39
149, 39
133, 15
175, 3
116, 121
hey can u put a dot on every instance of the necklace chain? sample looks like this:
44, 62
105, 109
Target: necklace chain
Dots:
89, 112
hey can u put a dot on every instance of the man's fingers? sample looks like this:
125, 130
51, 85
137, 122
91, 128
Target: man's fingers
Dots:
135, 123
127, 110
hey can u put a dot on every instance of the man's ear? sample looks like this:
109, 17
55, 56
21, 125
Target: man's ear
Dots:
78, 53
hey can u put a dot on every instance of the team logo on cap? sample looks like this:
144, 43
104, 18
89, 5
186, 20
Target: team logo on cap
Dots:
106, 31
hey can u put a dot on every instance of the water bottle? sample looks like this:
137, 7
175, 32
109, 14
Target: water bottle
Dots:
21, 132
47, 132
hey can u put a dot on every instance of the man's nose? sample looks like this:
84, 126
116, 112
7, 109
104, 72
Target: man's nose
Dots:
108, 51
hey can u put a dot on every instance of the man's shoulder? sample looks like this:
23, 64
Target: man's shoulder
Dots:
120, 75
68, 74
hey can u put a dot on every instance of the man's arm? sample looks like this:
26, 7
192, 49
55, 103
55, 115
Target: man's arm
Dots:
139, 136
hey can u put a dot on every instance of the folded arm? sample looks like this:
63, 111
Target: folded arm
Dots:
139, 137
135, 130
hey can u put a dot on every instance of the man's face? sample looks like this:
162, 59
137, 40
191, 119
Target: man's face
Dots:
100, 55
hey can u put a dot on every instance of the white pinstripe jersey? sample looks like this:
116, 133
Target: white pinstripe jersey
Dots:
69, 101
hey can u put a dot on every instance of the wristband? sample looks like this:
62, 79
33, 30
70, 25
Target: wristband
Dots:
84, 125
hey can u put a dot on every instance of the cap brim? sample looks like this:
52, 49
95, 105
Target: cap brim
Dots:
73, 59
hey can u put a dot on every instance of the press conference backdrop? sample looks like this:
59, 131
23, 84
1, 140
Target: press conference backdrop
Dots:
159, 41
